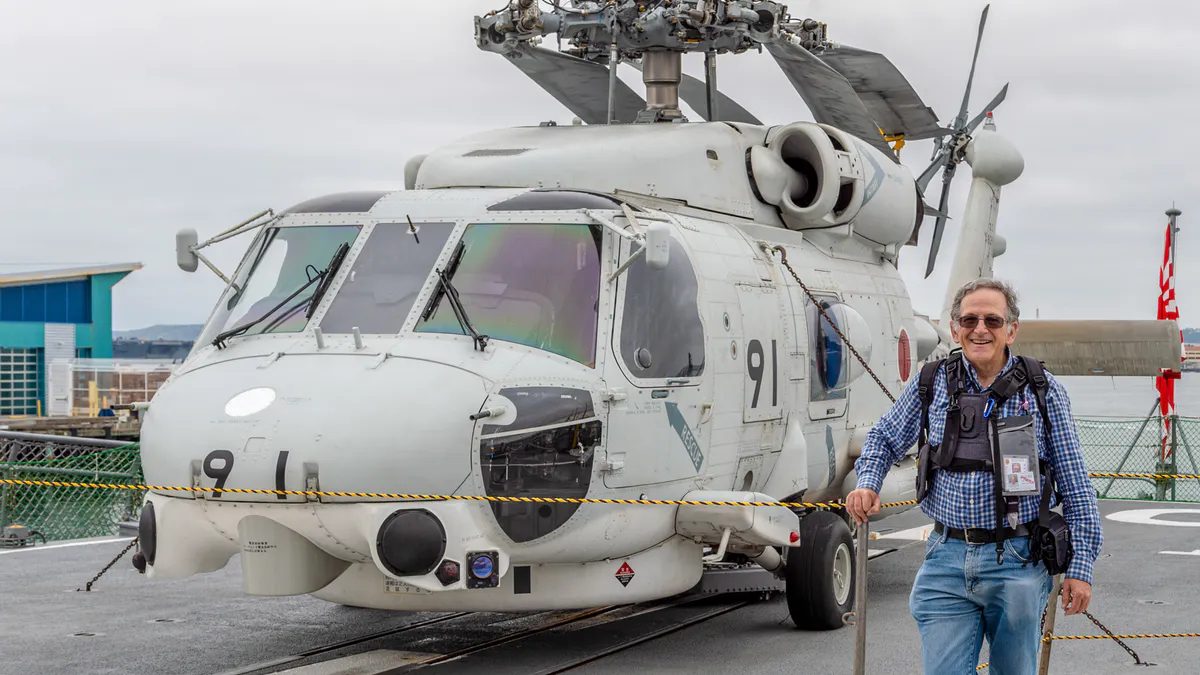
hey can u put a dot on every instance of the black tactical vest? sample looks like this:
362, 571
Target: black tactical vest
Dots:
967, 440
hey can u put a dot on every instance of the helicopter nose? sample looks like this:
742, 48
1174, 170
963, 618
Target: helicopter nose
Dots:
322, 421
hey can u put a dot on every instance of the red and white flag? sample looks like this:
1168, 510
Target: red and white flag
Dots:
1167, 310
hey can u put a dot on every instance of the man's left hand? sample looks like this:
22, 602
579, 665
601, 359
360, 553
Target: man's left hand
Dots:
1076, 595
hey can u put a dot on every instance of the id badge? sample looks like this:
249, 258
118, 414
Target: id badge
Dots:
1019, 469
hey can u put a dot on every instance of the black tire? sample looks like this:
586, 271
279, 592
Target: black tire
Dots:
812, 591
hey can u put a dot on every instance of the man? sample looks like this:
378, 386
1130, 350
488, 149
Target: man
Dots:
978, 578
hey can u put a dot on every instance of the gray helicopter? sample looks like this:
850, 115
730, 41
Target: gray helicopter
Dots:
635, 307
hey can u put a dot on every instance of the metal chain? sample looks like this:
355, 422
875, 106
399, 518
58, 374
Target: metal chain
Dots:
88, 587
783, 257
1137, 660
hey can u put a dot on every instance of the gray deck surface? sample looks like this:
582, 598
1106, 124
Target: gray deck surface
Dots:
205, 624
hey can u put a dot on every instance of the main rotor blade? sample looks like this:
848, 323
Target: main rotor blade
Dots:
828, 95
892, 102
581, 86
990, 107
939, 162
940, 226
962, 112
695, 93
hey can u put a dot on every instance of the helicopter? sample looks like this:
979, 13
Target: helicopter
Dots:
636, 307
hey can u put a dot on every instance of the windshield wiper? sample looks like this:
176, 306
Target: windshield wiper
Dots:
323, 278
447, 289
331, 270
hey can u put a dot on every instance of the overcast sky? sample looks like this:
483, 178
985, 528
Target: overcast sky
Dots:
123, 121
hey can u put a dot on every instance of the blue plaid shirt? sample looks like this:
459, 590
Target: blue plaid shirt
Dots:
967, 499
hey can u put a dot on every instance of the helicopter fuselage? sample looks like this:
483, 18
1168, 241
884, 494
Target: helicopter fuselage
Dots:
602, 372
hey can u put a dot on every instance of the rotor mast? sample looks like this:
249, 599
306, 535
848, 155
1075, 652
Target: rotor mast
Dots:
605, 33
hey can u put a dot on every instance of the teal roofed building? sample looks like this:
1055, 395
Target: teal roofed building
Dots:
47, 316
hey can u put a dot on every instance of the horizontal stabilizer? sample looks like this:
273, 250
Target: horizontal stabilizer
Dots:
1101, 347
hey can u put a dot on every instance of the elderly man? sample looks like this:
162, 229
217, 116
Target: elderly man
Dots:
984, 434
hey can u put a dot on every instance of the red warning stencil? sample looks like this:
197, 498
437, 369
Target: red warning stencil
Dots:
624, 574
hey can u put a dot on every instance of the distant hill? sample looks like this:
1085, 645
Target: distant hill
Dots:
186, 332
1191, 336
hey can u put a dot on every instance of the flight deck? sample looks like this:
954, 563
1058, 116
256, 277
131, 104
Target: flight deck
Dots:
1146, 584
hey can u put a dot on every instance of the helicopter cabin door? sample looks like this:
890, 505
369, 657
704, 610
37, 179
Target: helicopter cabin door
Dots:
764, 357
655, 428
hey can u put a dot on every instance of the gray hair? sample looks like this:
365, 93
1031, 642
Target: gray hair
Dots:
1010, 297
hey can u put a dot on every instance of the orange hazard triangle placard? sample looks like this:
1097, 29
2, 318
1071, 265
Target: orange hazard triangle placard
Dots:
624, 574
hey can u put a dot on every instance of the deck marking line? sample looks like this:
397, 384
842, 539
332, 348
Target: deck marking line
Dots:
913, 533
26, 549
1151, 517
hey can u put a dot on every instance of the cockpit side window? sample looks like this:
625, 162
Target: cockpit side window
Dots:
386, 278
532, 284
661, 332
281, 262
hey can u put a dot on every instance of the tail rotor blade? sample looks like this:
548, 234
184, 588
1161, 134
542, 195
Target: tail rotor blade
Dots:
962, 111
990, 107
940, 225
939, 161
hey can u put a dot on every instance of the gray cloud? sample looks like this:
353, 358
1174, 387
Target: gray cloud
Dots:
124, 121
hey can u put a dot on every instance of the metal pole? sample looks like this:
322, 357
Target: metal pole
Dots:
1048, 629
1138, 437
613, 61
1160, 484
1187, 447
860, 599
12, 456
1174, 463
710, 81
54, 439
1172, 214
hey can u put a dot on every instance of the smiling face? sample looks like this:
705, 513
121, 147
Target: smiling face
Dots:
984, 346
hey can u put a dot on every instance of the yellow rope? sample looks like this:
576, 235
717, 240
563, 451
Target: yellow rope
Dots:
1157, 476
1120, 637
1050, 636
400, 496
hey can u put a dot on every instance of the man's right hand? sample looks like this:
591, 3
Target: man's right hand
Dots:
862, 503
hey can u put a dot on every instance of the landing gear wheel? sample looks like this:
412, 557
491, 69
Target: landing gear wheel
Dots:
820, 572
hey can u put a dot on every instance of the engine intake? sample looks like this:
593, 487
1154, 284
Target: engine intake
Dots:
821, 177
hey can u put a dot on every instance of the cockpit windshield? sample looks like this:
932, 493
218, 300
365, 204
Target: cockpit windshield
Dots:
386, 278
280, 261
536, 285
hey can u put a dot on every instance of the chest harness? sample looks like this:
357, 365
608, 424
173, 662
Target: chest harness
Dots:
975, 439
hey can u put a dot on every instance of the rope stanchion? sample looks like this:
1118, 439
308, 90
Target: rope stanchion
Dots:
1049, 616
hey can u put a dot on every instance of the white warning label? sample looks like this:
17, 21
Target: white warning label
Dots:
396, 586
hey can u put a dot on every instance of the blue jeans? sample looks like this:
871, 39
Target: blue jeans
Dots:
962, 595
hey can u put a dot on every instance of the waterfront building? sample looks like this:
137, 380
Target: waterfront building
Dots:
49, 316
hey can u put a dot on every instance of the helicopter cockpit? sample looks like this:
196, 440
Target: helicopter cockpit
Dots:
535, 284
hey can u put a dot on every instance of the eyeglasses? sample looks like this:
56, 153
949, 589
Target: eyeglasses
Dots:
992, 321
